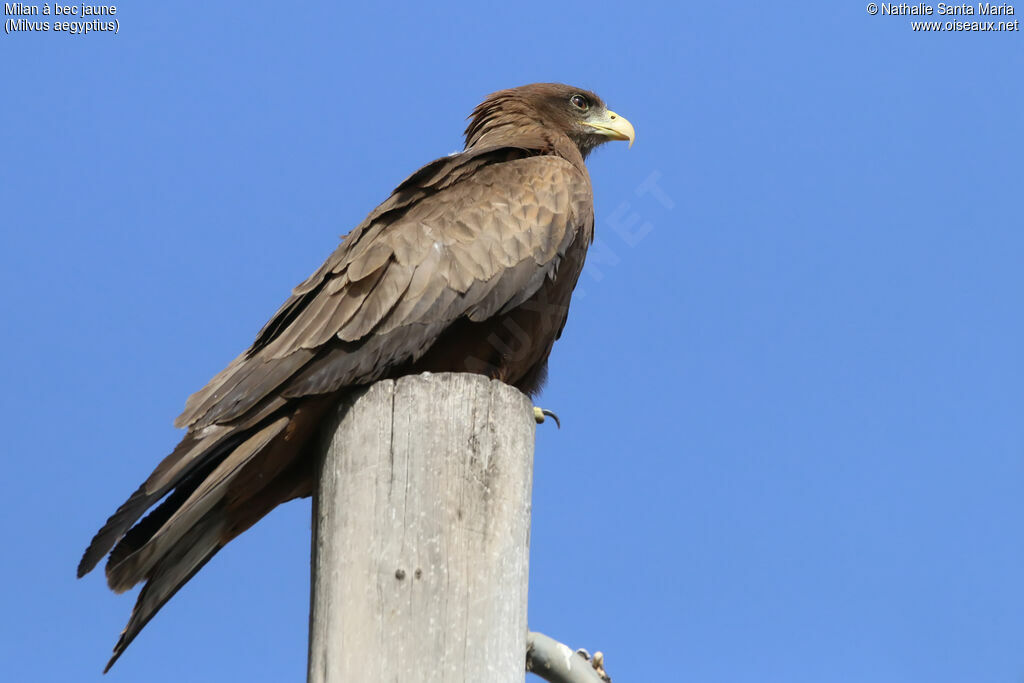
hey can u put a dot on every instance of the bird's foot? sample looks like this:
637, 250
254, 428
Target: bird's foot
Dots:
540, 414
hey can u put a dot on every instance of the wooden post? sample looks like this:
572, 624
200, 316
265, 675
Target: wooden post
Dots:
421, 524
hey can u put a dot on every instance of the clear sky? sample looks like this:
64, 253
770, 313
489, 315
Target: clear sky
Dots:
791, 382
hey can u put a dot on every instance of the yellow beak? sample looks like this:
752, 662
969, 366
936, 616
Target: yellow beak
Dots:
613, 126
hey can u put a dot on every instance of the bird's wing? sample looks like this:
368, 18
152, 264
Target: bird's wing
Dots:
482, 243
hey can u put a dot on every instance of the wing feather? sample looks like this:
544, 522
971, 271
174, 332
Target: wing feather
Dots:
482, 243
384, 296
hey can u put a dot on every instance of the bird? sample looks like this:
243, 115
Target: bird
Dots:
468, 266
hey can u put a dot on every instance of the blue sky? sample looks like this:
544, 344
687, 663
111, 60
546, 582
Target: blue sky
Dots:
790, 385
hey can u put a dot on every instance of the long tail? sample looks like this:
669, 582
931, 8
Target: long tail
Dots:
220, 482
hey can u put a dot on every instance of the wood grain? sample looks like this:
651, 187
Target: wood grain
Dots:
421, 534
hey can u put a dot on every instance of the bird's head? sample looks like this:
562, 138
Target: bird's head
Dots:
579, 114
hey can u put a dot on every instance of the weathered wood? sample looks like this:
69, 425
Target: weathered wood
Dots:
421, 534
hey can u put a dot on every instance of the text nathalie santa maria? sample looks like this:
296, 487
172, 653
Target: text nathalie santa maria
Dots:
945, 9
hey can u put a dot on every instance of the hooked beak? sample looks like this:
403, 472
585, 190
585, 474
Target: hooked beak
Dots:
612, 126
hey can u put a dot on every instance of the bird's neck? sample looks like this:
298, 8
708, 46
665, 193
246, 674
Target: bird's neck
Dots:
526, 136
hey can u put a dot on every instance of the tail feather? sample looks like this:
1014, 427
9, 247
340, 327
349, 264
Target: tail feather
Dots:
216, 484
186, 557
115, 528
131, 568
140, 534
204, 539
191, 452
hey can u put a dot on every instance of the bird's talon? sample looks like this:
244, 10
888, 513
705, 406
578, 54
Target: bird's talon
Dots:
539, 414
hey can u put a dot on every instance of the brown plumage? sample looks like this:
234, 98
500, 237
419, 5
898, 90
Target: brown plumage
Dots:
468, 266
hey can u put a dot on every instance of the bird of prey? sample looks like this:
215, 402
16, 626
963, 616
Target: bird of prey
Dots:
468, 266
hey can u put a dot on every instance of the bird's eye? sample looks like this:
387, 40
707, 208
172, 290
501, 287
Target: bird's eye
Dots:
580, 102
